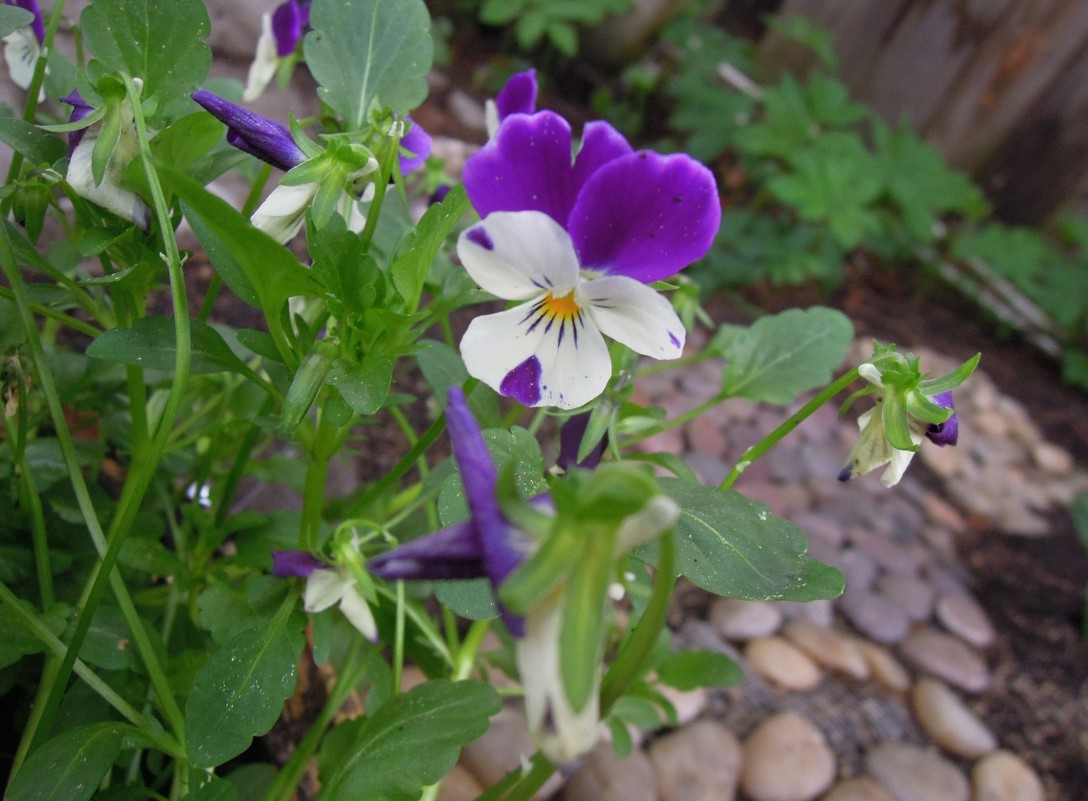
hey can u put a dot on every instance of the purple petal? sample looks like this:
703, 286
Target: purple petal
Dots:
37, 25
526, 167
948, 432
288, 21
518, 96
570, 441
601, 143
80, 109
417, 142
252, 133
523, 382
646, 216
295, 563
452, 553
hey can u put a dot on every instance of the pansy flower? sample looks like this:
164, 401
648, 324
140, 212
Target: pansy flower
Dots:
488, 545
874, 450
23, 46
283, 212
281, 32
107, 191
577, 241
327, 585
518, 96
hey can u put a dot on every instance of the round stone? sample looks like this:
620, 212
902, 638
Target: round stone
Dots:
459, 785
744, 620
1053, 459
700, 762
858, 568
948, 721
603, 776
913, 595
948, 658
884, 667
863, 789
875, 615
964, 616
1003, 776
786, 759
782, 663
910, 773
828, 647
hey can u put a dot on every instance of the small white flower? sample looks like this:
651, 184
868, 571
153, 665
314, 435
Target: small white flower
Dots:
265, 62
325, 587
21, 52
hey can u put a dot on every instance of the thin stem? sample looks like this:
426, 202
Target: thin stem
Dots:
677, 421
398, 639
466, 654
33, 502
50, 313
786, 427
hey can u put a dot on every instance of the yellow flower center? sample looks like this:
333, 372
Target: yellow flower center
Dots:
565, 307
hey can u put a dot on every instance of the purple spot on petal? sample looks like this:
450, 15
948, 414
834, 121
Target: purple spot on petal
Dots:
673, 339
480, 237
523, 382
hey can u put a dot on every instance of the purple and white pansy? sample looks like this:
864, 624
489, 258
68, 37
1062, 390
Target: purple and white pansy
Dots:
23, 46
281, 31
577, 240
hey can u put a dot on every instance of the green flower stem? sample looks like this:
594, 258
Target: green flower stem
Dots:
92, 679
465, 661
287, 780
423, 622
326, 441
50, 313
786, 427
398, 639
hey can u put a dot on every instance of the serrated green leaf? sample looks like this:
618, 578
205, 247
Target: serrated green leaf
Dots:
164, 47
409, 269
70, 766
368, 52
408, 743
150, 343
686, 670
239, 693
782, 355
734, 547
227, 610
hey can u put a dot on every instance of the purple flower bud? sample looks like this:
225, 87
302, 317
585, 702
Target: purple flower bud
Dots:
252, 133
945, 433
417, 142
37, 25
295, 563
570, 440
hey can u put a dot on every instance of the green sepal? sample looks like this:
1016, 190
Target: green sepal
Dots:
921, 408
108, 137
307, 381
581, 634
893, 413
950, 381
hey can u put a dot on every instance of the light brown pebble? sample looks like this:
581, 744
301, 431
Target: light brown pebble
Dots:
459, 785
884, 667
782, 663
1053, 459
964, 616
862, 789
948, 658
948, 721
875, 615
910, 773
1003, 776
744, 620
786, 759
700, 762
501, 749
603, 776
828, 647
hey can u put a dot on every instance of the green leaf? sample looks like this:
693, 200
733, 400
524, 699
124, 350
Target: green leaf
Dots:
150, 343
70, 766
409, 269
734, 547
239, 693
227, 610
364, 388
12, 19
163, 46
472, 599
188, 140
37, 146
782, 355
369, 52
408, 743
686, 670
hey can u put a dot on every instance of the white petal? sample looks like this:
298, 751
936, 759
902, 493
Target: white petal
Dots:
658, 515
632, 313
108, 194
572, 355
897, 466
871, 373
323, 589
562, 734
491, 118
516, 255
357, 611
284, 210
265, 62
21, 51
